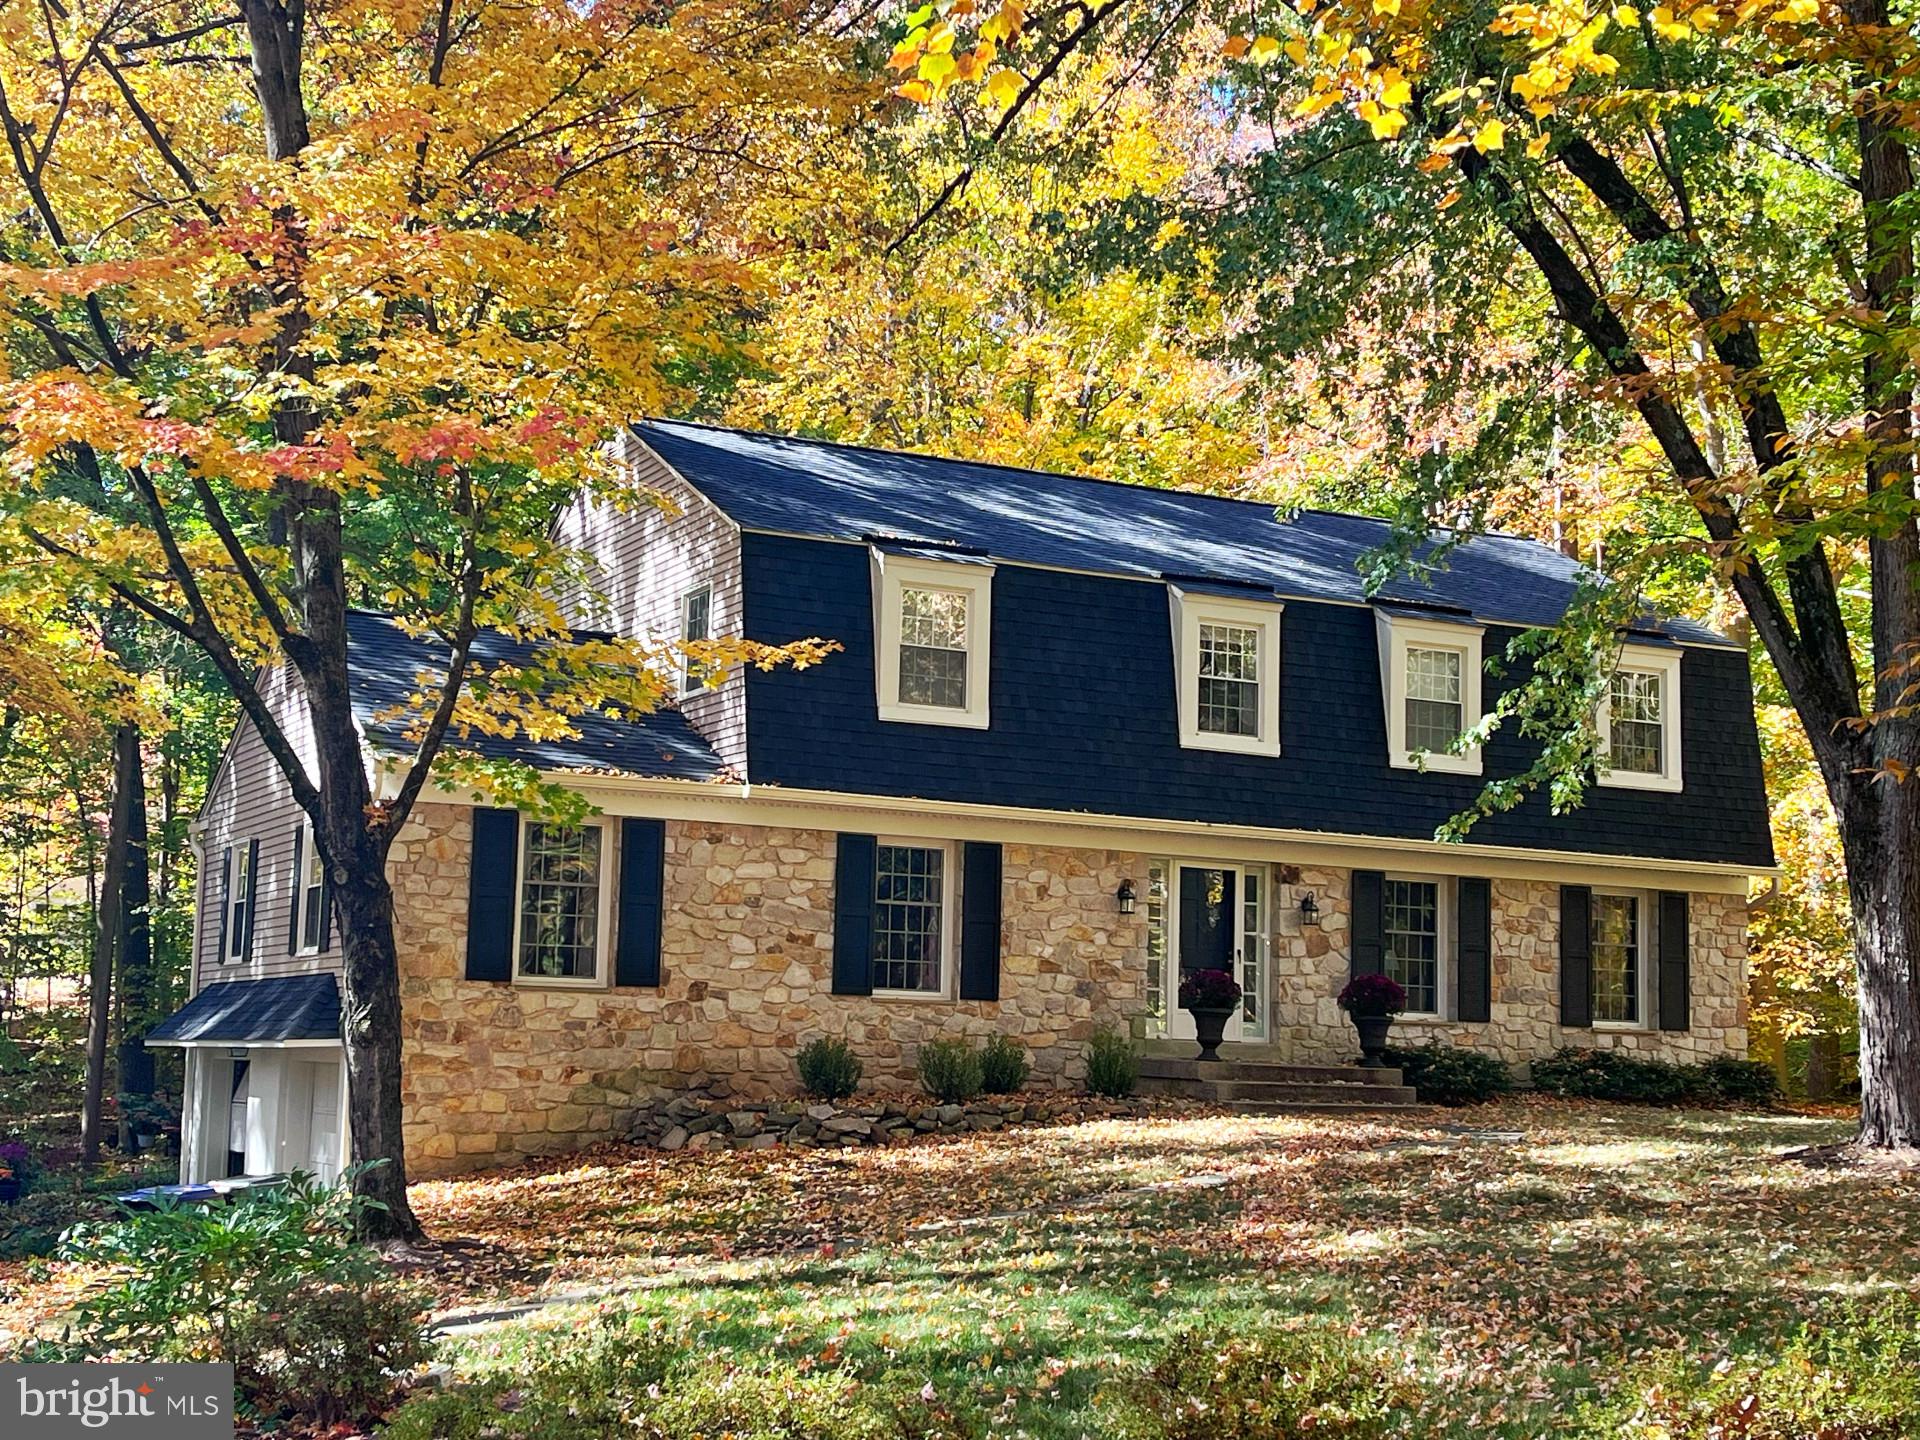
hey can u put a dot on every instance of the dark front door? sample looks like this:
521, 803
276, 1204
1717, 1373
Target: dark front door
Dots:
1206, 918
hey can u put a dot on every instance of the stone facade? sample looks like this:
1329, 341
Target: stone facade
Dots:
496, 1072
1311, 965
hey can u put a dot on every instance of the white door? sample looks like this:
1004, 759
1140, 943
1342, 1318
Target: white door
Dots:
1220, 921
323, 1124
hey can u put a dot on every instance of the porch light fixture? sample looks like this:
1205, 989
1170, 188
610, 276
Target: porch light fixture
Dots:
1309, 910
1125, 897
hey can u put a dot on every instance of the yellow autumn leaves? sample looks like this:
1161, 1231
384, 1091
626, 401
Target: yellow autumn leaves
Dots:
928, 50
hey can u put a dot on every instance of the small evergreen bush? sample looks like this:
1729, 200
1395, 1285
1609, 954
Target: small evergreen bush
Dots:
1112, 1069
829, 1070
1003, 1065
1264, 1384
1743, 1082
1452, 1074
950, 1070
1623, 1076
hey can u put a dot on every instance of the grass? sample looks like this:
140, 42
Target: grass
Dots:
1027, 1273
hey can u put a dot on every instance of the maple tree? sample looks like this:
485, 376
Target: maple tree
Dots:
309, 305
1699, 214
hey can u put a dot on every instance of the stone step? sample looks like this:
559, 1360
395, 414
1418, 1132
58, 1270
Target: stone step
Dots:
1281, 1092
1163, 1067
1344, 1107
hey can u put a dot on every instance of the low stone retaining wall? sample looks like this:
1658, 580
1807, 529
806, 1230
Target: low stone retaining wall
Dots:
689, 1122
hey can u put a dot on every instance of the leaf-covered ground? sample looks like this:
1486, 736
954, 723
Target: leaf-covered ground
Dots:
1508, 1258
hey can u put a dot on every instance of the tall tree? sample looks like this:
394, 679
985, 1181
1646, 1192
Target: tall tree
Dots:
1664, 209
310, 305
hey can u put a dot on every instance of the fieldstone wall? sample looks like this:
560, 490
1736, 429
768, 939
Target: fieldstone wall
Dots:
495, 1071
1310, 967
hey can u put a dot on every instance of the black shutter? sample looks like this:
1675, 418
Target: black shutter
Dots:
853, 915
226, 904
490, 887
299, 896
253, 898
980, 921
1675, 968
326, 908
1474, 967
643, 861
1368, 955
1576, 956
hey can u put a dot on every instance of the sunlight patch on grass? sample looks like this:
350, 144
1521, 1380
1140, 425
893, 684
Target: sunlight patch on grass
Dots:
1613, 1154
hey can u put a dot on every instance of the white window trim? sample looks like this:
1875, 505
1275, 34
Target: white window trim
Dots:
891, 575
1442, 941
309, 852
1654, 660
233, 944
1396, 633
601, 978
1644, 945
690, 683
949, 894
1192, 609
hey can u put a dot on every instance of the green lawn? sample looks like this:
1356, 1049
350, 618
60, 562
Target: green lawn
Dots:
1506, 1273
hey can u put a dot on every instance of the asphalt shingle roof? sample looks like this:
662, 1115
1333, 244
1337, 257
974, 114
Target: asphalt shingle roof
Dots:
384, 660
286, 1007
846, 492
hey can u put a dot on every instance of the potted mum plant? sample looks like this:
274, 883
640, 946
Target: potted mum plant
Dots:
1211, 996
1371, 1001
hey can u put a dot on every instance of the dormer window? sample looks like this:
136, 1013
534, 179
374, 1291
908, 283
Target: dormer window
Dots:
933, 622
1639, 721
1430, 670
1226, 648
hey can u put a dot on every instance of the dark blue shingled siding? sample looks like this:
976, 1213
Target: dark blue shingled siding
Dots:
1083, 720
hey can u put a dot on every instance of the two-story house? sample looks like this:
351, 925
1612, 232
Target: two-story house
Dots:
1080, 737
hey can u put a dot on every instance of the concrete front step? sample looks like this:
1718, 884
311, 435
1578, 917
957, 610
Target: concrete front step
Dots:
1164, 1067
1281, 1092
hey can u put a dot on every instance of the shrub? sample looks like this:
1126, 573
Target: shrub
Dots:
328, 1346
1209, 990
828, 1068
949, 1070
1744, 1082
1452, 1074
1003, 1065
272, 1283
1640, 1080
1856, 1377
1372, 995
1112, 1069
1267, 1384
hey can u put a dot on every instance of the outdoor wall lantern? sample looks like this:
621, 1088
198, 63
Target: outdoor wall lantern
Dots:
1125, 897
1309, 910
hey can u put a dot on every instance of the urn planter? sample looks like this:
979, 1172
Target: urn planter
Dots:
1373, 1038
9, 1189
1209, 1024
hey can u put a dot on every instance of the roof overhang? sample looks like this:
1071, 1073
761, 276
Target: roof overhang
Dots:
281, 1010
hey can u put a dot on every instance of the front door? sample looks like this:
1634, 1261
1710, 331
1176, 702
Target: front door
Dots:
323, 1124
1222, 911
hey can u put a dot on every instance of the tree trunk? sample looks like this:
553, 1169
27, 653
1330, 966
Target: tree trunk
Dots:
370, 1030
1881, 837
106, 936
134, 970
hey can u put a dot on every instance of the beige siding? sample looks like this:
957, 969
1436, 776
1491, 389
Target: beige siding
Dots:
645, 560
250, 799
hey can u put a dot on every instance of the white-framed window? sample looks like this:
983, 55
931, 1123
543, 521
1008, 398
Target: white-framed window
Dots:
1620, 958
696, 623
933, 627
309, 896
1639, 721
239, 899
1226, 655
561, 924
912, 917
1414, 934
1430, 673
